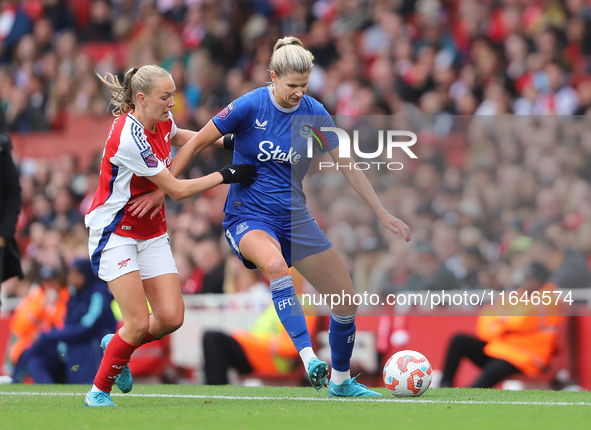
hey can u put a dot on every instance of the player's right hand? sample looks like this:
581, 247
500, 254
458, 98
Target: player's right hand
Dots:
151, 202
396, 225
243, 174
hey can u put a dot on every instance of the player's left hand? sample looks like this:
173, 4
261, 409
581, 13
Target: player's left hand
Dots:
243, 174
141, 205
396, 225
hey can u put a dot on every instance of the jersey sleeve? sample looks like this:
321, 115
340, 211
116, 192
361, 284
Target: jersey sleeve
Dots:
332, 141
136, 154
229, 119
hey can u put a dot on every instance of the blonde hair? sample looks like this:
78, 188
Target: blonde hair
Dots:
290, 56
135, 81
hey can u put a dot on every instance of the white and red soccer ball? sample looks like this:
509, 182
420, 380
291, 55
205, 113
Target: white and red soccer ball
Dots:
407, 374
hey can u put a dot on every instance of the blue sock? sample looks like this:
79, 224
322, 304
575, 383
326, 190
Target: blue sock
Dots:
290, 311
341, 338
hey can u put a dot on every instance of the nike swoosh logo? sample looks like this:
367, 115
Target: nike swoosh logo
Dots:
334, 392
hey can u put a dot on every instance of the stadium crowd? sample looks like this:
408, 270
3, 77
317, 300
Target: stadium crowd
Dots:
487, 198
382, 56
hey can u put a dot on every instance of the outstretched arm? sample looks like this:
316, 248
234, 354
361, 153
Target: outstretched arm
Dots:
191, 143
361, 184
178, 189
183, 136
203, 139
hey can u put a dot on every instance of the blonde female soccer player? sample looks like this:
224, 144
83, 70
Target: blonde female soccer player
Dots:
132, 254
268, 224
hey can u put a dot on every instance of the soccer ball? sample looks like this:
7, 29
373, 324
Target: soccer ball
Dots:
407, 374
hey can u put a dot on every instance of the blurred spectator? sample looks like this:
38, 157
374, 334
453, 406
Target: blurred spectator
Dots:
18, 23
194, 28
365, 269
556, 97
100, 27
125, 14
521, 341
454, 57
428, 272
42, 309
72, 354
209, 268
584, 97
59, 13
569, 268
65, 215
43, 35
321, 46
265, 348
472, 262
149, 43
444, 240
177, 11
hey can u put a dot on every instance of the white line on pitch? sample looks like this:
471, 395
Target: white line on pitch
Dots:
316, 399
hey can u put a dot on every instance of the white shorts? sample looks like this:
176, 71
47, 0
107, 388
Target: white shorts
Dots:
121, 255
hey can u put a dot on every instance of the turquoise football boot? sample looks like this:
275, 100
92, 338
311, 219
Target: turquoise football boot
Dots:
124, 381
99, 398
318, 373
350, 388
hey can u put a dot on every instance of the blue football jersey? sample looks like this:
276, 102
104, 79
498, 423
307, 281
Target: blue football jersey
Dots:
275, 140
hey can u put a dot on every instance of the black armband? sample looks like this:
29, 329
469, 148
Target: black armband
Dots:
229, 141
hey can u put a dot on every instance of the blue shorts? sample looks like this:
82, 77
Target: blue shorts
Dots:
298, 238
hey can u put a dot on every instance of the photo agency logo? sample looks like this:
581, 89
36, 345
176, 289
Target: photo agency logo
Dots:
388, 140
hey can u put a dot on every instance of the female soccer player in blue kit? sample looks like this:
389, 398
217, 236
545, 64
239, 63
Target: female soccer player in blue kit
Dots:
268, 224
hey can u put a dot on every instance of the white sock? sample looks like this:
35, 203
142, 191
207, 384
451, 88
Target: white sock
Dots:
95, 389
307, 354
337, 377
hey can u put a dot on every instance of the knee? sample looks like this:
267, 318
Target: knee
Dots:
176, 323
172, 321
277, 268
458, 341
137, 327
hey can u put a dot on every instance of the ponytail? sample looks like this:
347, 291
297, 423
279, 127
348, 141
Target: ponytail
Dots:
134, 81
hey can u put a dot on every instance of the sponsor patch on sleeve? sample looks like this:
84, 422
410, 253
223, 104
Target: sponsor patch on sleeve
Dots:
225, 112
149, 158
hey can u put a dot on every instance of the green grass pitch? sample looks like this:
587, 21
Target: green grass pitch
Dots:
172, 407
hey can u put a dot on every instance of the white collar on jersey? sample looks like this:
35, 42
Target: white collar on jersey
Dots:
277, 105
135, 120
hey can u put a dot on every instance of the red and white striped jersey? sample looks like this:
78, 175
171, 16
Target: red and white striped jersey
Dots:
131, 153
